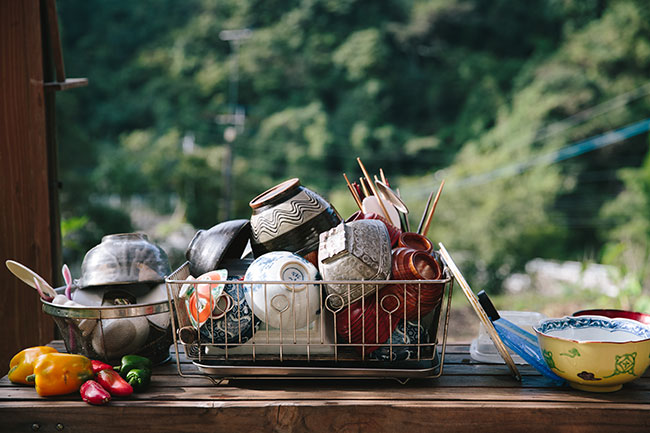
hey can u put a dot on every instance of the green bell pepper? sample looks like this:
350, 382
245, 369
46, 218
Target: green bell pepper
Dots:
139, 378
130, 362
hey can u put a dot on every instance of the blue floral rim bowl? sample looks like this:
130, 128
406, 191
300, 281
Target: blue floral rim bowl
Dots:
595, 353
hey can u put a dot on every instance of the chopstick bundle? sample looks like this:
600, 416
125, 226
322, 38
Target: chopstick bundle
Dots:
353, 191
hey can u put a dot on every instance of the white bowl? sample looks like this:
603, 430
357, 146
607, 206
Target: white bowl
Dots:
283, 302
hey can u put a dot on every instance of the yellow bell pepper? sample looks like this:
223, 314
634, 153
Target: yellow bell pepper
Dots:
22, 364
60, 373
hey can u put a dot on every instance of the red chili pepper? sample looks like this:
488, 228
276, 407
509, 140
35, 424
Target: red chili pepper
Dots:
113, 383
99, 366
93, 393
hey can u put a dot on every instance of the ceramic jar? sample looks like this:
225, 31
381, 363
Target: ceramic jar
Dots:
358, 250
290, 217
283, 302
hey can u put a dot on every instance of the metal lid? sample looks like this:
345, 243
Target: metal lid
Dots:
482, 315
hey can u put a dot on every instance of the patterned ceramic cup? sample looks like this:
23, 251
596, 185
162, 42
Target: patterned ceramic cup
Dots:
290, 217
358, 250
283, 302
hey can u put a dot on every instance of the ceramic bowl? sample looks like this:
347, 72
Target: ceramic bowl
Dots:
283, 302
236, 324
367, 322
123, 259
595, 353
403, 343
226, 240
206, 300
290, 217
393, 232
358, 250
616, 314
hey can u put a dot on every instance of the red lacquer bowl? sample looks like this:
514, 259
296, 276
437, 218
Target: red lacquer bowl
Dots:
368, 321
410, 264
616, 314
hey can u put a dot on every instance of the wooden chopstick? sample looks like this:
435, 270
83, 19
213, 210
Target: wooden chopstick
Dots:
353, 191
425, 230
371, 184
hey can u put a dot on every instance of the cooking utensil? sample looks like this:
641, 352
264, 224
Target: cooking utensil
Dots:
389, 195
377, 205
27, 276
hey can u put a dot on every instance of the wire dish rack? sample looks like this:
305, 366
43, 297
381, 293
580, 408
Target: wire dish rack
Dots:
369, 337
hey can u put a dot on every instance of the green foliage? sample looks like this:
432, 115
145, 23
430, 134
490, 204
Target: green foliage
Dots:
425, 89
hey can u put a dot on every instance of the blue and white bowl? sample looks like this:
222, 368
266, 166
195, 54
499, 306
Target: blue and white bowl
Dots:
285, 303
398, 339
237, 325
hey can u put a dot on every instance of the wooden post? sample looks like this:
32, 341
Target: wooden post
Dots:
26, 208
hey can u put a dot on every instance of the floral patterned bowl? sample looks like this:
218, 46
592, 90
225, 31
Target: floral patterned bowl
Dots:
237, 325
397, 348
595, 353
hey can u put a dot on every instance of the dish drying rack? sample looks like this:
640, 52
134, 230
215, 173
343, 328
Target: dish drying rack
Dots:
315, 351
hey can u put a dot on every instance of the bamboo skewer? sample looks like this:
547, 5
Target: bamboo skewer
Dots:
371, 184
424, 213
353, 191
425, 230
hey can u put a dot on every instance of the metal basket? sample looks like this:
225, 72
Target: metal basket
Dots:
316, 350
87, 330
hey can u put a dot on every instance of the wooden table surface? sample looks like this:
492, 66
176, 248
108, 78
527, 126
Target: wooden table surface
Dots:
469, 396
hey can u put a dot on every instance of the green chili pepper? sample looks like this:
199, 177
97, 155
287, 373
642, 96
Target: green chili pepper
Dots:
139, 378
130, 362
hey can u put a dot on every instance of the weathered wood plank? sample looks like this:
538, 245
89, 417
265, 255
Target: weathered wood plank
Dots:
332, 416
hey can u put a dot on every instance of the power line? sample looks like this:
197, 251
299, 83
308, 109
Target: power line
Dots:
570, 151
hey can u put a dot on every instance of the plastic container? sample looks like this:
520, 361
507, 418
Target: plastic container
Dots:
482, 348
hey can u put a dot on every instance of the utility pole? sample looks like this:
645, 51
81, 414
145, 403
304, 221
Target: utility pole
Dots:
235, 119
